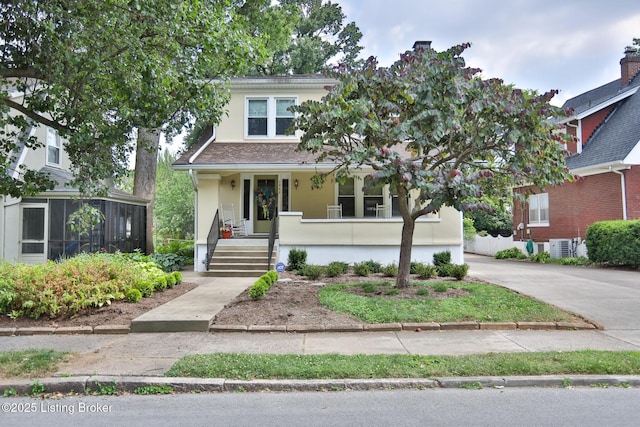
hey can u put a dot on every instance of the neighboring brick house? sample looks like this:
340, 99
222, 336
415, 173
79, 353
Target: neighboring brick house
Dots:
605, 122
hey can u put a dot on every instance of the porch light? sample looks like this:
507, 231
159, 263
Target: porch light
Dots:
295, 184
233, 184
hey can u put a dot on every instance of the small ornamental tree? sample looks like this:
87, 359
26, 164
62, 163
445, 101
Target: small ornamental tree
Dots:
433, 129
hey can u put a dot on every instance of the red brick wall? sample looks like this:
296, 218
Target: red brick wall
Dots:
574, 206
632, 181
590, 123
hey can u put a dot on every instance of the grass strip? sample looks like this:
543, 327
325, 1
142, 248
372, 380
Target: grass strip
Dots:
484, 303
30, 363
334, 366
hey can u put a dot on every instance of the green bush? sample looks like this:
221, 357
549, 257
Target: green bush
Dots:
272, 275
336, 268
297, 259
425, 271
169, 262
581, 260
160, 283
311, 271
171, 280
423, 292
132, 295
541, 257
441, 258
614, 242
374, 266
510, 253
178, 276
362, 269
413, 269
146, 287
443, 270
390, 270
258, 289
458, 271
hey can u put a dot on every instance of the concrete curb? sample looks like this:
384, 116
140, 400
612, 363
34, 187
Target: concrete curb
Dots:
418, 327
129, 384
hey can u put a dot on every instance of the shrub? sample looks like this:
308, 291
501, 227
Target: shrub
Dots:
390, 270
362, 269
458, 271
169, 262
171, 280
443, 270
423, 292
311, 271
146, 287
541, 257
297, 259
510, 253
614, 242
441, 258
336, 268
374, 266
160, 284
581, 260
425, 271
132, 295
272, 275
178, 276
258, 289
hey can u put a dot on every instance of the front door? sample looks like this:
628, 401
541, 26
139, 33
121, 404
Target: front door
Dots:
33, 243
265, 199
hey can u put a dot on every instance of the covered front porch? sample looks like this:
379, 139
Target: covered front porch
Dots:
368, 225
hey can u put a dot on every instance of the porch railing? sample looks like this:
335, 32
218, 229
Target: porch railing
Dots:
272, 239
212, 238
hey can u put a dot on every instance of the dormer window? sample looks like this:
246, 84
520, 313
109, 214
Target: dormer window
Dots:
54, 147
269, 117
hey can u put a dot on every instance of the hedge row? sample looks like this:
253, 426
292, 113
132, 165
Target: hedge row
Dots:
614, 242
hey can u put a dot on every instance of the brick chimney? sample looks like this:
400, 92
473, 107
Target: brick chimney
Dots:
629, 65
424, 44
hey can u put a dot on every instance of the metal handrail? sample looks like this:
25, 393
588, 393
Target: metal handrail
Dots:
272, 239
212, 238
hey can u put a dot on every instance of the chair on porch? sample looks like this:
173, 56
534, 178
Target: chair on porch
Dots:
238, 227
334, 211
382, 211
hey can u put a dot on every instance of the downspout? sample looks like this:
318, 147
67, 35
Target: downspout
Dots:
624, 192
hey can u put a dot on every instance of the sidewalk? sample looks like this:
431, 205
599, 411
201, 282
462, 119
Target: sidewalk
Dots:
130, 359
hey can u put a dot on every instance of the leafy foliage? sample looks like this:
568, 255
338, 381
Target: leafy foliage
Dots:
510, 253
541, 257
614, 242
83, 282
430, 127
95, 69
174, 208
297, 259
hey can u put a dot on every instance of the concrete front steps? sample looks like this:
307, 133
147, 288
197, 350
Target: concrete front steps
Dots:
241, 258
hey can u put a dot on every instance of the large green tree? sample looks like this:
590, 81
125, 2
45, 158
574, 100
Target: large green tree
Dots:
174, 202
431, 128
94, 70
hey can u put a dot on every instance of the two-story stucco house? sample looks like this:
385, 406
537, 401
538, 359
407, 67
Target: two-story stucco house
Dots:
249, 162
34, 229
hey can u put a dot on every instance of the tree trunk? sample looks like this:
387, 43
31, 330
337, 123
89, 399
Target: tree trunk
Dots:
144, 182
404, 263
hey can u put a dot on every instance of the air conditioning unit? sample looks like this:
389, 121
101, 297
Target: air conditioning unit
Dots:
560, 248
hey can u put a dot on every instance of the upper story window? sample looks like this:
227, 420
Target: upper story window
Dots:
54, 147
539, 209
269, 116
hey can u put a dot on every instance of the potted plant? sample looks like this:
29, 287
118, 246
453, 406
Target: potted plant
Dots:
225, 231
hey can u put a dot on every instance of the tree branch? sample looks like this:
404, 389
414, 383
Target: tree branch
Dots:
32, 114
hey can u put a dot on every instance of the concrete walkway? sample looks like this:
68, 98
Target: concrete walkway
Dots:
609, 297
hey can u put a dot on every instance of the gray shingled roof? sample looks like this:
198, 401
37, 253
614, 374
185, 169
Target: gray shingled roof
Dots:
599, 95
614, 139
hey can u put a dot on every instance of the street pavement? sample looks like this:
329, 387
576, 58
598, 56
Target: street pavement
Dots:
610, 298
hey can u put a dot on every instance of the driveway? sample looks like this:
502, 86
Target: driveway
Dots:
608, 297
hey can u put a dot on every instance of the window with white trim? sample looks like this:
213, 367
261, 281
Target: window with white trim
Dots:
539, 209
54, 147
269, 116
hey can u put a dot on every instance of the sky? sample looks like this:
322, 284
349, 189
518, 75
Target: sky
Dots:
569, 45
